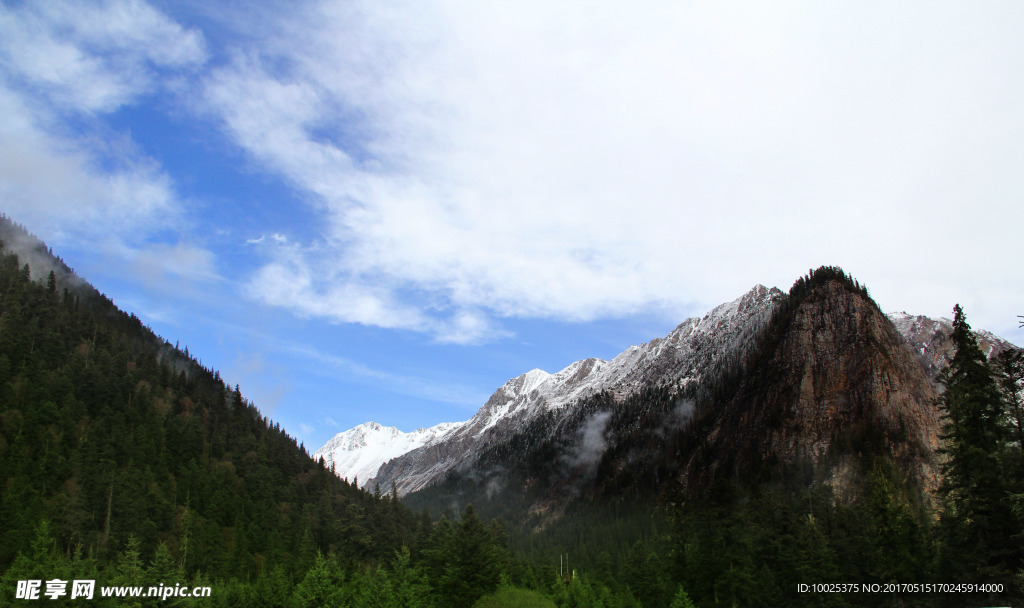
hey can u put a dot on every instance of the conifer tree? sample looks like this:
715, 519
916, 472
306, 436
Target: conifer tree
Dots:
129, 569
977, 525
682, 599
321, 587
474, 560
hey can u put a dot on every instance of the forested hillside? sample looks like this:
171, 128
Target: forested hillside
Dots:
127, 462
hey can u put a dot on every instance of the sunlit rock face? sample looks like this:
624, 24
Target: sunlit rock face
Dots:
838, 382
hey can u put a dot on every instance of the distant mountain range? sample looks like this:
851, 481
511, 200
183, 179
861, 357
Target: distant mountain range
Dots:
684, 355
695, 353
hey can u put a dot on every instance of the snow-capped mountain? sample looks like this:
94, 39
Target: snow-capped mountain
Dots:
382, 455
687, 352
358, 452
697, 347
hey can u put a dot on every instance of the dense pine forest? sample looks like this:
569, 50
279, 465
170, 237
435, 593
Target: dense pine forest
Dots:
128, 462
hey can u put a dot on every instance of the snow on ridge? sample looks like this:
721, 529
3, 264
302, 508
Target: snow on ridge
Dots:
360, 451
681, 355
693, 340
533, 379
929, 339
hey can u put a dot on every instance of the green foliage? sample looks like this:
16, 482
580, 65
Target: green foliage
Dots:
399, 586
474, 557
743, 547
322, 587
682, 599
513, 597
1010, 378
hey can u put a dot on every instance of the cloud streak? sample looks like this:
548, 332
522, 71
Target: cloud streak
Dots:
591, 444
93, 57
412, 386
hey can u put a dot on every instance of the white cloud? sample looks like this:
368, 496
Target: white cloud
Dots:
63, 66
308, 288
182, 261
90, 57
58, 184
578, 160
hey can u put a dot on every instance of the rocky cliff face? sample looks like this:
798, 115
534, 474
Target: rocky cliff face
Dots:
834, 387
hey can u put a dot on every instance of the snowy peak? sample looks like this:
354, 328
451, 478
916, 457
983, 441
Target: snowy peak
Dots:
692, 348
367, 434
578, 373
535, 391
517, 387
359, 451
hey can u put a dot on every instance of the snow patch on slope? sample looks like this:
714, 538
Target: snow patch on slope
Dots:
931, 340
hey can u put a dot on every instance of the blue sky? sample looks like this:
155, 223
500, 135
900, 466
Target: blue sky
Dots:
382, 211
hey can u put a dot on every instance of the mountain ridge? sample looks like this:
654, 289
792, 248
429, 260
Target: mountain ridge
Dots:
695, 347
826, 398
710, 341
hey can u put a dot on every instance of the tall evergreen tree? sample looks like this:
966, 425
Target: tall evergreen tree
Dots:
977, 525
322, 586
474, 560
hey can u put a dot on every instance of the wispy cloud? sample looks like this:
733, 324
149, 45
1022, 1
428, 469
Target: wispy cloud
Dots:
591, 443
421, 388
60, 183
577, 161
93, 57
63, 65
